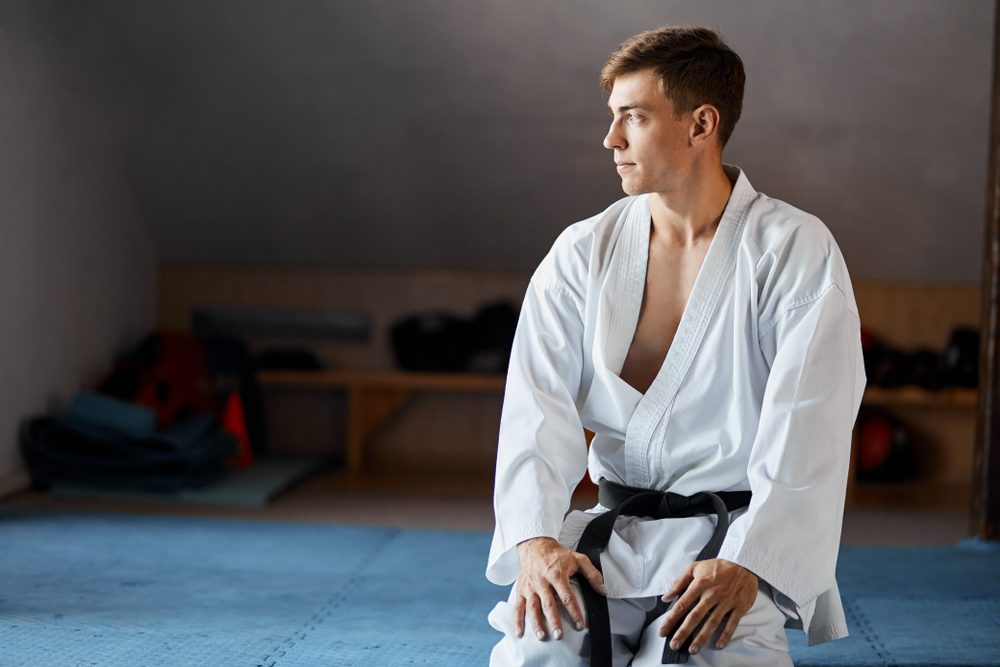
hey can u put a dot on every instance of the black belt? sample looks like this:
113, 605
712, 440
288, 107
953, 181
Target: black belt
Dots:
631, 501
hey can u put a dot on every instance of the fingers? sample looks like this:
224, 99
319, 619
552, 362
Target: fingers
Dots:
541, 605
542, 612
519, 616
535, 616
729, 630
708, 628
714, 596
702, 621
679, 610
544, 588
551, 611
591, 574
690, 624
681, 583
569, 601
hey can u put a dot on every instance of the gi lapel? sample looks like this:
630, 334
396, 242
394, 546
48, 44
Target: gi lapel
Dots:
627, 283
640, 451
608, 399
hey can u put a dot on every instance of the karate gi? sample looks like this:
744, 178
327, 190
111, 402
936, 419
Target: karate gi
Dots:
759, 391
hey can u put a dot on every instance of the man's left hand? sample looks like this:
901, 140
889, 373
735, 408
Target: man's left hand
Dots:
715, 589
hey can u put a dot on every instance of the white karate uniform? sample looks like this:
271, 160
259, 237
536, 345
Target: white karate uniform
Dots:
759, 391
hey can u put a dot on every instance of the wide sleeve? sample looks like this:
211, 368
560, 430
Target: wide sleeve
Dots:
542, 451
790, 534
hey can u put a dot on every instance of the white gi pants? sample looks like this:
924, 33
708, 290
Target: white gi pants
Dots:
759, 639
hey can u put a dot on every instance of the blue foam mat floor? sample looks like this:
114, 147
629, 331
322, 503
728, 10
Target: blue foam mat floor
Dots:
87, 589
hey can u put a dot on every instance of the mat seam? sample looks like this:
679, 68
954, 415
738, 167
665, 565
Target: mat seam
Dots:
867, 630
327, 608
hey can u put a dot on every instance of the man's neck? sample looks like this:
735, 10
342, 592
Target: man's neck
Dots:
691, 213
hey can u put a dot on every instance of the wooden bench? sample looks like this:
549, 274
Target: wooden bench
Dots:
373, 397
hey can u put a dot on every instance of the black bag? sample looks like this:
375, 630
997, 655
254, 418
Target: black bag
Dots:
439, 341
432, 342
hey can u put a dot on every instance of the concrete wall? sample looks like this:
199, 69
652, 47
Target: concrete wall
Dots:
447, 133
78, 266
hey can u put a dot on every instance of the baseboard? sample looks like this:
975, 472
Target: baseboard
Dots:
13, 481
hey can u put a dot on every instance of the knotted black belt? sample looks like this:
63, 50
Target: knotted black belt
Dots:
631, 501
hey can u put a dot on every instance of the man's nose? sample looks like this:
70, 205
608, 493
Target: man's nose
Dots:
614, 139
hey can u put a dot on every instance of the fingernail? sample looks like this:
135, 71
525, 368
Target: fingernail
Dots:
722, 645
557, 633
540, 635
675, 644
579, 625
694, 649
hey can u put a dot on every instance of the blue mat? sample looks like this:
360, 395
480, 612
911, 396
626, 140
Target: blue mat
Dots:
115, 591
255, 486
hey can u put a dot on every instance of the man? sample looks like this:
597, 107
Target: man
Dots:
708, 336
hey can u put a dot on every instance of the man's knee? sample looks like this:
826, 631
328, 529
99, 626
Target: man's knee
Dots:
527, 650
759, 641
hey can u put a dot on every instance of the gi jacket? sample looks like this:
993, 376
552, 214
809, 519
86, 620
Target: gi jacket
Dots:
759, 390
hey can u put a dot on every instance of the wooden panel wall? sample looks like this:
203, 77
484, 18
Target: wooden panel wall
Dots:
913, 315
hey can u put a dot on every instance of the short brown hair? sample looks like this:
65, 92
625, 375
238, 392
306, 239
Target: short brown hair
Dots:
694, 65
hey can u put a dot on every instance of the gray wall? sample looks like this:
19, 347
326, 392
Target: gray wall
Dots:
431, 133
447, 133
78, 279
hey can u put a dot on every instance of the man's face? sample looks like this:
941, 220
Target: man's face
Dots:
652, 152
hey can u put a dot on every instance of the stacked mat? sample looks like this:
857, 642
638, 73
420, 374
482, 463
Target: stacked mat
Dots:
84, 589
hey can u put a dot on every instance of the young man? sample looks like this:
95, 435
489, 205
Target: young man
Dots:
708, 336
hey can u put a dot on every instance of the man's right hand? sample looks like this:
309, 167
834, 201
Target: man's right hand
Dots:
546, 567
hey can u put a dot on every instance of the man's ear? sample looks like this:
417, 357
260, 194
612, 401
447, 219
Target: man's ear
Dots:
705, 124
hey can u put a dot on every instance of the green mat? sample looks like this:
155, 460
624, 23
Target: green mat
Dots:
254, 487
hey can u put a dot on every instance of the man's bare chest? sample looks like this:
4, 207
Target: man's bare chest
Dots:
670, 277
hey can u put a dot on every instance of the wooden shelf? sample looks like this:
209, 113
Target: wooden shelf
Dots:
377, 379
916, 494
915, 397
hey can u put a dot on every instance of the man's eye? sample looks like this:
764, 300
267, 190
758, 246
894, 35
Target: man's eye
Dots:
633, 118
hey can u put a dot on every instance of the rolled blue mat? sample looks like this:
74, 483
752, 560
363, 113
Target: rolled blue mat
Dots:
116, 415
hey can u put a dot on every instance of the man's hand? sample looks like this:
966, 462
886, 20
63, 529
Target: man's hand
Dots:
714, 588
546, 567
